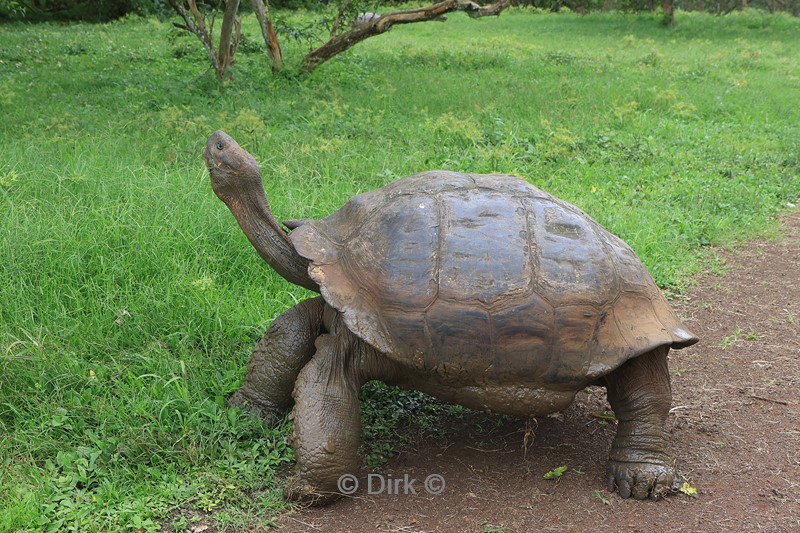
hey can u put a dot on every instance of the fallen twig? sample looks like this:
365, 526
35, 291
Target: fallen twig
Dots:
762, 398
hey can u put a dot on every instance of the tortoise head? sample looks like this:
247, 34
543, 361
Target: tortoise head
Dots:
236, 180
234, 172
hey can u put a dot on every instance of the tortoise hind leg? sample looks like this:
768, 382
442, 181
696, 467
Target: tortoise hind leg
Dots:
640, 463
278, 358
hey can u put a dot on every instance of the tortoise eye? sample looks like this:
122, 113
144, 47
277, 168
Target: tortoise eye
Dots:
219, 145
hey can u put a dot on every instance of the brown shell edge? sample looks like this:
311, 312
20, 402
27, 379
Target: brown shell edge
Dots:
337, 288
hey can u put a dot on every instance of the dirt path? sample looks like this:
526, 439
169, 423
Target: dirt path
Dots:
735, 428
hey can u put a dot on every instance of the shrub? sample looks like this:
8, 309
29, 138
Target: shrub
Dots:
85, 10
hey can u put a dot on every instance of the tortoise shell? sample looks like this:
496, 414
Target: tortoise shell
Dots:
486, 276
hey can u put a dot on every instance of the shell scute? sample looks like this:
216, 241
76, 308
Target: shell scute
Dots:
573, 260
471, 265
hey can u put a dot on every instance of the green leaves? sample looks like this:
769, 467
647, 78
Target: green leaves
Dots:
556, 472
602, 499
688, 489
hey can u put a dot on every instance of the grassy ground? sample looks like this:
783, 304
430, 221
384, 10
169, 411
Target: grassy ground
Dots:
129, 298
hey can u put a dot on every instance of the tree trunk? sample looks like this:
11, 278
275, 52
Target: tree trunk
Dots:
344, 41
194, 22
669, 12
227, 41
268, 31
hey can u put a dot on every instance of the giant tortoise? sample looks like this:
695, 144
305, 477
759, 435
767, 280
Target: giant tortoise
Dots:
481, 290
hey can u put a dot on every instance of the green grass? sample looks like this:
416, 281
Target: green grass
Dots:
129, 299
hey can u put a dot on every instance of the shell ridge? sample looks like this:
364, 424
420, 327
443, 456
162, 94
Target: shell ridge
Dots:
439, 247
601, 235
492, 337
531, 242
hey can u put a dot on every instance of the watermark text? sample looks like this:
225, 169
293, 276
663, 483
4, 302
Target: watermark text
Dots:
387, 484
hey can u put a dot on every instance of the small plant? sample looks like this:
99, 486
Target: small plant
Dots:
734, 337
556, 472
602, 499
752, 336
557, 57
652, 59
530, 434
214, 495
730, 340
688, 489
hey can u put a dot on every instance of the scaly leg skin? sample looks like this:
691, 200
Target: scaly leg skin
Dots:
326, 420
640, 463
278, 358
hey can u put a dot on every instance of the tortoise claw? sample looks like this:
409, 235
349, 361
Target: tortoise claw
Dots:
268, 414
301, 491
642, 480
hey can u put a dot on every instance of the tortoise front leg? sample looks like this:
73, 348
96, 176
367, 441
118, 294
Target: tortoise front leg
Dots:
326, 416
278, 358
640, 463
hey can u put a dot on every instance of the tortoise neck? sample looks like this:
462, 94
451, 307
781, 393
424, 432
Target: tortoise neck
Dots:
270, 240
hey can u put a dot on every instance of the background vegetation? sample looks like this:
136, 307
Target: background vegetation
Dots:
105, 10
129, 299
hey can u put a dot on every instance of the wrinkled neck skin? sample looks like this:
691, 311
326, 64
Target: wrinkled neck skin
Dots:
269, 239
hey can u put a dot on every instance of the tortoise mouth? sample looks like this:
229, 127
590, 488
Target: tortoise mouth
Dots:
207, 158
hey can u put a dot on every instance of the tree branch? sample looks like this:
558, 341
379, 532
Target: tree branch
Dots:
344, 41
195, 24
339, 17
229, 38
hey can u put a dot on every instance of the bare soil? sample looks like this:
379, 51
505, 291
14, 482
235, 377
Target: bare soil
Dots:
735, 428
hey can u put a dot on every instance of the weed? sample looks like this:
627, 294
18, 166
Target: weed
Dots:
556, 472
602, 499
752, 336
730, 340
734, 337
688, 489
558, 57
